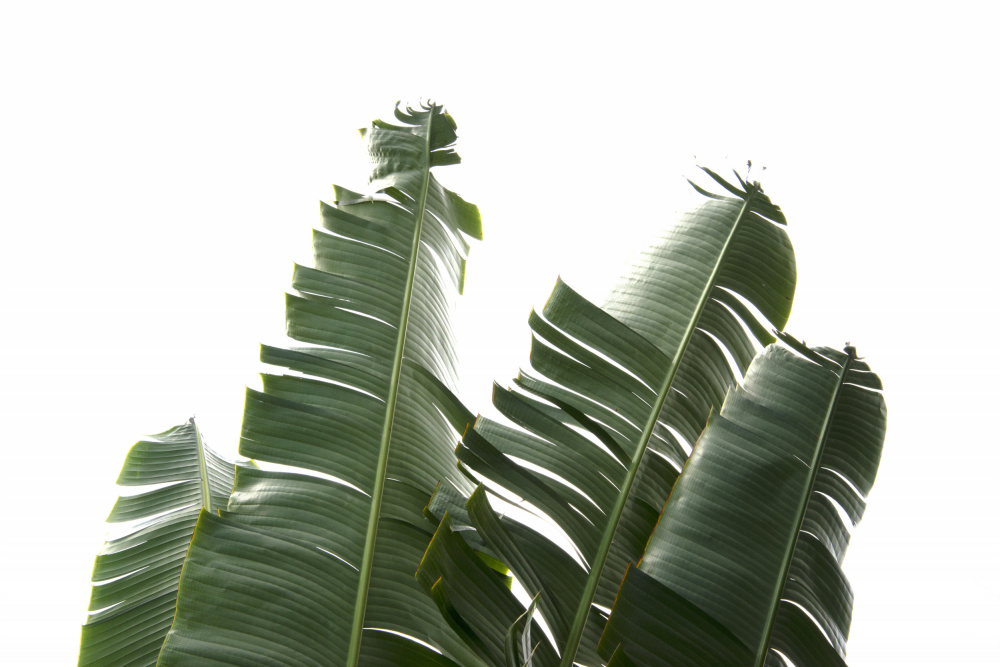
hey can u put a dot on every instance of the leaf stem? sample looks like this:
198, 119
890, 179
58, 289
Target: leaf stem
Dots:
586, 601
367, 562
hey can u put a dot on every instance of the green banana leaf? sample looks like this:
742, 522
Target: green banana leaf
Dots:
744, 563
136, 572
315, 567
598, 428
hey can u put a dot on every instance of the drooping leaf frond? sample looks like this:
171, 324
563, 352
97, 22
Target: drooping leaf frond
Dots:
136, 572
304, 569
746, 556
602, 418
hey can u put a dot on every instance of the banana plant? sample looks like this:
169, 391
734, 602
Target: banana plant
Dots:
137, 571
598, 427
312, 561
744, 564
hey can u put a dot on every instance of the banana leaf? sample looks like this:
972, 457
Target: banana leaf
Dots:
314, 565
597, 429
744, 564
136, 573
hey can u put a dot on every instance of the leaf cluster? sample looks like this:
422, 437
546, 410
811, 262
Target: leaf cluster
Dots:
673, 480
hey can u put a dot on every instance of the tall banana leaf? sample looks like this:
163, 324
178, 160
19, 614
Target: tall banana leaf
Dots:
601, 421
745, 560
136, 572
316, 567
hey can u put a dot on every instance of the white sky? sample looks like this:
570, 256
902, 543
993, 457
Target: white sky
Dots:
161, 164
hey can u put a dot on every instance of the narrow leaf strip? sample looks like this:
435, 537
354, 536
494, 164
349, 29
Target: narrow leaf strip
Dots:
206, 491
517, 645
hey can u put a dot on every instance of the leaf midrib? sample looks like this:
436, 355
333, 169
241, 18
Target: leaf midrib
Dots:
367, 562
614, 518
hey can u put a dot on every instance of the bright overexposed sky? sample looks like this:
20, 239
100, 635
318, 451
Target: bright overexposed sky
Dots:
161, 163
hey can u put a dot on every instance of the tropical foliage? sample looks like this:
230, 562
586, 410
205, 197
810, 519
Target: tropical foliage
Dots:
292, 573
137, 570
745, 559
315, 565
603, 420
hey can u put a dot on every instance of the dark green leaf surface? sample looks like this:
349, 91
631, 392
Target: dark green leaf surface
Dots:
614, 395
456, 578
675, 631
751, 536
136, 572
319, 570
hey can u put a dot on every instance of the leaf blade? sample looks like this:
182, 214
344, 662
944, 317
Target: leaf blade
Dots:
366, 413
136, 573
734, 542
